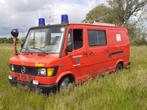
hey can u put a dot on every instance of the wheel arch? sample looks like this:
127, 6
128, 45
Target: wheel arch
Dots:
66, 74
119, 61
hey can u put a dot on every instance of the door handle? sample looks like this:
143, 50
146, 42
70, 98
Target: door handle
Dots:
77, 56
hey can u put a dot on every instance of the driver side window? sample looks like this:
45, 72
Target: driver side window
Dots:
75, 39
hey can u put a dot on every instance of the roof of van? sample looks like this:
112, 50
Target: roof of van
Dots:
98, 24
86, 24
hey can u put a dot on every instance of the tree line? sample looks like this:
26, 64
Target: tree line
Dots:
6, 40
10, 40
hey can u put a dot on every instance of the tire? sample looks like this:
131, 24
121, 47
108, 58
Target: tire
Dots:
65, 83
119, 67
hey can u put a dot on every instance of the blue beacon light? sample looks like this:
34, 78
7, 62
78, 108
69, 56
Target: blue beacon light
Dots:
64, 19
41, 22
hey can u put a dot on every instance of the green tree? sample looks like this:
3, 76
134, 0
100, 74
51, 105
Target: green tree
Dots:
101, 13
121, 12
125, 9
118, 12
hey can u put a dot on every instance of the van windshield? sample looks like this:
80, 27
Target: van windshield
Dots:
46, 40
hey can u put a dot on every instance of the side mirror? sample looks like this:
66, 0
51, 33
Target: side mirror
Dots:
69, 49
15, 33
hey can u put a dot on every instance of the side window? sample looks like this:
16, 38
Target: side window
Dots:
75, 39
97, 37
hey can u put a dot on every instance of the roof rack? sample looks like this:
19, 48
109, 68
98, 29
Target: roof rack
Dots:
104, 24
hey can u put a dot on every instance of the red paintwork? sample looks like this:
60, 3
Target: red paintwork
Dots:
94, 60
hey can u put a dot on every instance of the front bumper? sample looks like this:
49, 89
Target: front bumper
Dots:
30, 84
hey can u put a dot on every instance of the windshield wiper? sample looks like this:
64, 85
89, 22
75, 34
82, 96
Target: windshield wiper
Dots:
26, 49
39, 50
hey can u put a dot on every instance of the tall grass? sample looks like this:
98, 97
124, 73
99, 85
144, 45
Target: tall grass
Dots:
119, 91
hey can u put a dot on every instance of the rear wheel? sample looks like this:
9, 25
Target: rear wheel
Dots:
119, 67
65, 83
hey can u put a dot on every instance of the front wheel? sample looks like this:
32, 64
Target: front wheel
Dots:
65, 83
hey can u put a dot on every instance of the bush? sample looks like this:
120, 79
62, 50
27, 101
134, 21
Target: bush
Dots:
10, 40
6, 40
139, 42
136, 36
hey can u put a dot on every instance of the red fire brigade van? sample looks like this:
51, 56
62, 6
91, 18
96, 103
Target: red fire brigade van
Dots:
57, 55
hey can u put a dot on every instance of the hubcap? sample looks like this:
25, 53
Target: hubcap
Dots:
64, 84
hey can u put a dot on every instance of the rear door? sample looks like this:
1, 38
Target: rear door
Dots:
118, 46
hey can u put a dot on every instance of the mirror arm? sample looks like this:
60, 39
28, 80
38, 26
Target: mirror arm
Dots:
15, 46
15, 34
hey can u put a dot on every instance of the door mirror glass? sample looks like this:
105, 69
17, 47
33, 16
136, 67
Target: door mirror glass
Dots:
15, 33
69, 48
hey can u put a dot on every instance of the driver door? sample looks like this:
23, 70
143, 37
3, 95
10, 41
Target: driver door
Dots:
75, 52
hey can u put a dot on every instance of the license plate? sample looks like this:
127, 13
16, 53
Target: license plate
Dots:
23, 77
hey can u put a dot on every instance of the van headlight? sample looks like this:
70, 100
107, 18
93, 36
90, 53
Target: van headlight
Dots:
42, 71
49, 72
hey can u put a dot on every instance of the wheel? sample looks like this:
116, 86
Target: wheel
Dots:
119, 67
64, 84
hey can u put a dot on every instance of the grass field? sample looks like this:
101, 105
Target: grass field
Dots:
124, 91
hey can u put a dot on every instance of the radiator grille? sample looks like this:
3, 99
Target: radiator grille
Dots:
25, 70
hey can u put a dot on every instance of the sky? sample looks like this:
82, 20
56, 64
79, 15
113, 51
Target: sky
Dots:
23, 14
